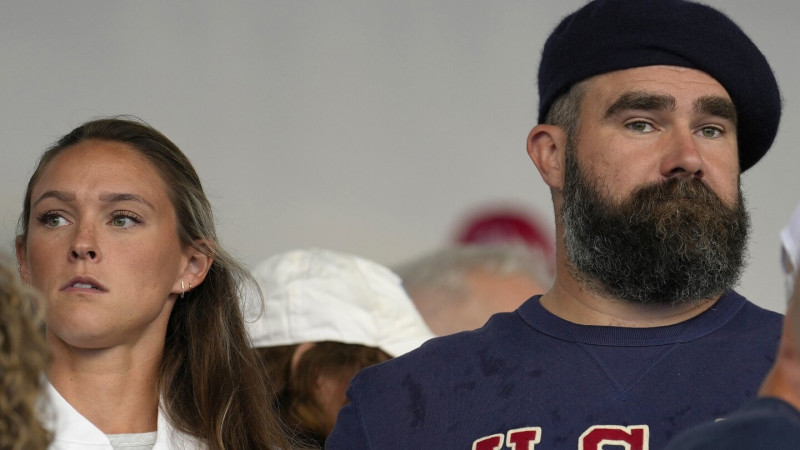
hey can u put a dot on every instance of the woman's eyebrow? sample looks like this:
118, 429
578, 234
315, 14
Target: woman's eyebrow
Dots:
58, 195
115, 197
106, 197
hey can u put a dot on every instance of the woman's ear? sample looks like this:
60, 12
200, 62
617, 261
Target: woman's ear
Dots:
22, 261
547, 149
197, 262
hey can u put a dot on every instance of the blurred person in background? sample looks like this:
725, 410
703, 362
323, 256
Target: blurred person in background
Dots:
459, 287
325, 316
23, 358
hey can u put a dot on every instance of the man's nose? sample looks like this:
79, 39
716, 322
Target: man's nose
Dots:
682, 158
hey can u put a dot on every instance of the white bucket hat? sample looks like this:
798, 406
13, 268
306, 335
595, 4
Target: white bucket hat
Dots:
319, 295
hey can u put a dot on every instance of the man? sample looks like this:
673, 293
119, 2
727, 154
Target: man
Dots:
458, 287
649, 111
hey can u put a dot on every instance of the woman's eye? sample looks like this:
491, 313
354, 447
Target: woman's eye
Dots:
125, 220
122, 221
640, 127
53, 220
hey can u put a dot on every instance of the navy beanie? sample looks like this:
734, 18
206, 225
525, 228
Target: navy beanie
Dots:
609, 35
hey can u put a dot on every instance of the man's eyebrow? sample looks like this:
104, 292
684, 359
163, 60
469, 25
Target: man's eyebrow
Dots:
115, 197
716, 106
58, 195
645, 101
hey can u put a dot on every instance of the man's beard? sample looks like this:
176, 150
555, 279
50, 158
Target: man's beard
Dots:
670, 242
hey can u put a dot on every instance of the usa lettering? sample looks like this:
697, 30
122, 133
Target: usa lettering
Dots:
635, 437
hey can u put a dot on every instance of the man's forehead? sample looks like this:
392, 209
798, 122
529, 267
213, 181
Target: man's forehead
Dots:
677, 85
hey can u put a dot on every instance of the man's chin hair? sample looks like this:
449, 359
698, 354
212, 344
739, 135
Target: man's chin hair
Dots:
638, 297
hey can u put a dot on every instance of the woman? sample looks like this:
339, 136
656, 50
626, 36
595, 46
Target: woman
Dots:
22, 360
143, 322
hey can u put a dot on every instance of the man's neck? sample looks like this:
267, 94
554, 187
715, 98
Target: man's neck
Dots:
572, 302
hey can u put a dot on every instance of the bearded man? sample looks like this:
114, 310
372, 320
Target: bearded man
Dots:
649, 112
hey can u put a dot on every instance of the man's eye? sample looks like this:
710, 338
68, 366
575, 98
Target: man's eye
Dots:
710, 132
640, 127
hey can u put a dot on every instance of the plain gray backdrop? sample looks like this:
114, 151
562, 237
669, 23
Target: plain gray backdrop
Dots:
363, 126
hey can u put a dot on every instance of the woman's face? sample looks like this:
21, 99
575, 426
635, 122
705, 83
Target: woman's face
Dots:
103, 247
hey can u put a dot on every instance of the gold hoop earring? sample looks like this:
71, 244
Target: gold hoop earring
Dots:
183, 290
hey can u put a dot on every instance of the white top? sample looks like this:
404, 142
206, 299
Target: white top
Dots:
72, 431
133, 441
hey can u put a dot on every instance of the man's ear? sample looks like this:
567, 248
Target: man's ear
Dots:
197, 263
547, 148
22, 261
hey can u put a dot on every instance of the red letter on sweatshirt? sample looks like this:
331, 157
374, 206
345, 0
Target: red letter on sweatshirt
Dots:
493, 442
631, 438
523, 438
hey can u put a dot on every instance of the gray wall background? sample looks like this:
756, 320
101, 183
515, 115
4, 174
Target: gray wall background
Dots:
363, 126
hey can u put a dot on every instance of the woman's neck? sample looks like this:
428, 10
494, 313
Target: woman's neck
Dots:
116, 389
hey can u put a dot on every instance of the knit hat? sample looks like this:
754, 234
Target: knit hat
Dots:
319, 295
609, 35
